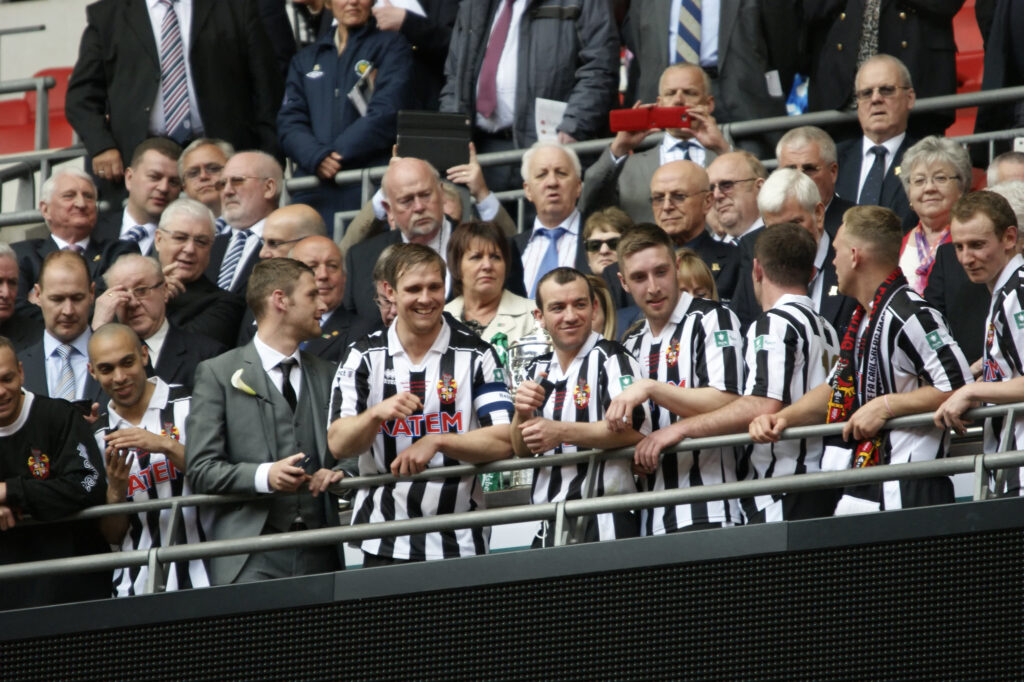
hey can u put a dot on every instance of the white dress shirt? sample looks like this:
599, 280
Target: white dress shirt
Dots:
535, 249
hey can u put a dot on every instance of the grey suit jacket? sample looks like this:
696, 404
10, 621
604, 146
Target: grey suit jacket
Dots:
744, 45
231, 432
626, 185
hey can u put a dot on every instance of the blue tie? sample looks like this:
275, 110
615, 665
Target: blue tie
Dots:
135, 234
550, 260
234, 254
871, 192
221, 226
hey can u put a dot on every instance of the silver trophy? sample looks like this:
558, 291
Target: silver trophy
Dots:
520, 356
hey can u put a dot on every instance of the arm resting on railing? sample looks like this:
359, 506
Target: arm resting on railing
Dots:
871, 416
485, 444
950, 413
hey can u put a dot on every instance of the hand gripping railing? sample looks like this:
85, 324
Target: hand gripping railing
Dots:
157, 558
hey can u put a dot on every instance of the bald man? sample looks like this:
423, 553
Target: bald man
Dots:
287, 226
339, 327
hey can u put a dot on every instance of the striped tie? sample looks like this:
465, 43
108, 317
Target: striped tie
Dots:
136, 234
688, 32
230, 264
222, 226
173, 81
66, 379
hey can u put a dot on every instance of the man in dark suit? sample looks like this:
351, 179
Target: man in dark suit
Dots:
415, 206
152, 182
623, 178
118, 72
257, 425
67, 201
789, 196
750, 61
681, 201
429, 36
57, 364
250, 190
135, 296
20, 330
921, 33
338, 327
196, 304
552, 183
869, 165
812, 151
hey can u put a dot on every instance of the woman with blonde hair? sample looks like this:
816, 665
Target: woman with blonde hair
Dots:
604, 314
695, 277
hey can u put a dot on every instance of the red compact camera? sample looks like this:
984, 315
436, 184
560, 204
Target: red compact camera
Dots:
648, 118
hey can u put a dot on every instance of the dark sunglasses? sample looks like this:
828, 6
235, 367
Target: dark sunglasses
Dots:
594, 245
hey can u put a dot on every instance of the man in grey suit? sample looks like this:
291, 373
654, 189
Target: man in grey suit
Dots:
750, 58
257, 426
621, 178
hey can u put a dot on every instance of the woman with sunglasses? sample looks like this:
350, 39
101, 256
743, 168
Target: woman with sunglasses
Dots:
601, 235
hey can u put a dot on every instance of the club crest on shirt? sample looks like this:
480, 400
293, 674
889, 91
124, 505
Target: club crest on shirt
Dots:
672, 354
581, 394
171, 430
446, 388
362, 66
39, 464
1019, 319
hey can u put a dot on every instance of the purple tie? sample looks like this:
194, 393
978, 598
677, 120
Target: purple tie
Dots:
77, 248
487, 94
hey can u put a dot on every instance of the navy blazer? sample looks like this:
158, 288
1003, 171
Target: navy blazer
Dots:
893, 195
204, 308
964, 303
181, 353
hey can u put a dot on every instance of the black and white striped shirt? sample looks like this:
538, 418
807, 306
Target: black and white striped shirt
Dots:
463, 387
154, 476
600, 371
701, 346
790, 350
1003, 357
917, 350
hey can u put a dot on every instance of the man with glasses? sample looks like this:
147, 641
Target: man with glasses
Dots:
623, 178
200, 167
869, 165
135, 297
250, 190
735, 179
813, 152
195, 304
152, 182
681, 199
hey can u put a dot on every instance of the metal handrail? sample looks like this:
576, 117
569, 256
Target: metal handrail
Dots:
42, 85
980, 464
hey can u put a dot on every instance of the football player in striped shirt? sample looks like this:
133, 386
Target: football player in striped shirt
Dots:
422, 393
896, 357
143, 437
691, 359
562, 408
789, 350
984, 234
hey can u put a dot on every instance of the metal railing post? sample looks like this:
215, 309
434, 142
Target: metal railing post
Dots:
561, 532
42, 115
981, 491
156, 580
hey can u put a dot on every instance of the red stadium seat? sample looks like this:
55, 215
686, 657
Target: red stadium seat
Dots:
18, 116
970, 61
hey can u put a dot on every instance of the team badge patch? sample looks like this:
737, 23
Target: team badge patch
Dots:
1019, 319
446, 387
581, 394
724, 338
39, 464
171, 430
935, 340
362, 66
672, 354
625, 381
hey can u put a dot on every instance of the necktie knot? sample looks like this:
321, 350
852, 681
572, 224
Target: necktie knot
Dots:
550, 259
554, 233
878, 150
287, 391
77, 248
135, 234
64, 351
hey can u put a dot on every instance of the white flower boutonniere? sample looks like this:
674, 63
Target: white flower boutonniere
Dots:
236, 381
897, 170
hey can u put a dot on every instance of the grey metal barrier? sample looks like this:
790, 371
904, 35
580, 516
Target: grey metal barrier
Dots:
561, 513
41, 84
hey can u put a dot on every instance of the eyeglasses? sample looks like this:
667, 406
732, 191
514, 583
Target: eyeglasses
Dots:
806, 169
181, 239
235, 181
142, 292
886, 91
939, 180
727, 186
278, 243
594, 245
674, 198
208, 168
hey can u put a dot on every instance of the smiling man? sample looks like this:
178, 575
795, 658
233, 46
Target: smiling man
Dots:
420, 394
551, 181
691, 359
561, 407
257, 426
152, 182
869, 165
984, 234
